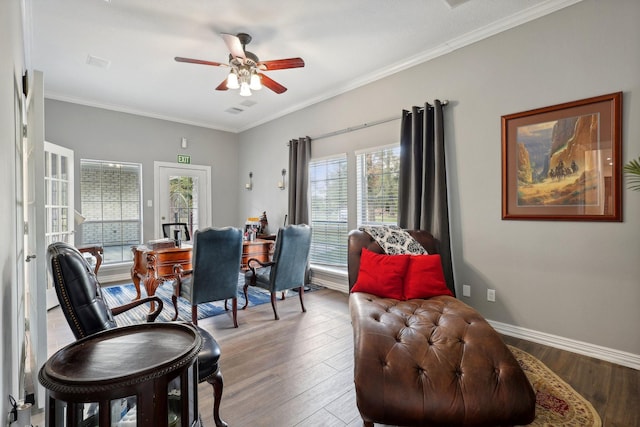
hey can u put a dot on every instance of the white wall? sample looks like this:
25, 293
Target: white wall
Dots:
574, 280
11, 70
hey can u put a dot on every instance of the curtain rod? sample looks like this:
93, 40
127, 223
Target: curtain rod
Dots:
364, 125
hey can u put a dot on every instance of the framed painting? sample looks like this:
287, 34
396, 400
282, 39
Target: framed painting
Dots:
563, 162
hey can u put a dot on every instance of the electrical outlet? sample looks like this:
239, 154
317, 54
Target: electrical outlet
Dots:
466, 290
491, 295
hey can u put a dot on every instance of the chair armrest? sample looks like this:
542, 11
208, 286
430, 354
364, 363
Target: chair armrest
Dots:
262, 264
151, 317
179, 273
97, 251
252, 280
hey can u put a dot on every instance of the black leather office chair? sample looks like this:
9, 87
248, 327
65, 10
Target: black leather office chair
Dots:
80, 297
176, 231
217, 253
288, 268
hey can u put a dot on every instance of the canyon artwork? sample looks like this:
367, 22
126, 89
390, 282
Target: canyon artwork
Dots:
558, 162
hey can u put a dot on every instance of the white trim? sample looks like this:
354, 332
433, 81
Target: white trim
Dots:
116, 277
331, 278
157, 165
592, 350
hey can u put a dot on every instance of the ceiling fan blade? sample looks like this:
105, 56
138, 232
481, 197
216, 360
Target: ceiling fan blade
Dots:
222, 85
272, 84
200, 61
281, 64
234, 45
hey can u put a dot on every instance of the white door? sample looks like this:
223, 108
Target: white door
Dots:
58, 201
182, 194
34, 238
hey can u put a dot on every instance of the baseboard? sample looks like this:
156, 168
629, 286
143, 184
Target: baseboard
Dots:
114, 277
331, 278
604, 353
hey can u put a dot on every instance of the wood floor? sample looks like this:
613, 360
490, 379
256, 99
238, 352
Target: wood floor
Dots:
298, 371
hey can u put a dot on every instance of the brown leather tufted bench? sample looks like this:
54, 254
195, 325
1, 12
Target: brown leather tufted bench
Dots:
431, 362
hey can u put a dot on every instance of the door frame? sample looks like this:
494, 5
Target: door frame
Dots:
157, 166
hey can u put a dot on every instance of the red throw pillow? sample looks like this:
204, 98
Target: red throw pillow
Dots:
381, 275
424, 277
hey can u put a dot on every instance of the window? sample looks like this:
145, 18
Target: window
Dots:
377, 186
328, 192
111, 204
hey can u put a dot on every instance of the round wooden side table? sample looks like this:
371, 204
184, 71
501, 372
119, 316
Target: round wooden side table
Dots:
141, 375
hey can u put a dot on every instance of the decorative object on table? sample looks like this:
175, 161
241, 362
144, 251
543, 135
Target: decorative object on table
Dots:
557, 403
264, 223
288, 268
82, 303
214, 275
632, 169
251, 228
563, 162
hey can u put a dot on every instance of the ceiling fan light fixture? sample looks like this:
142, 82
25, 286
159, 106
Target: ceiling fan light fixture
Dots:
244, 89
255, 83
232, 80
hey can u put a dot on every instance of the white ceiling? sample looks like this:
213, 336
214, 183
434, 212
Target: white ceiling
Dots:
345, 44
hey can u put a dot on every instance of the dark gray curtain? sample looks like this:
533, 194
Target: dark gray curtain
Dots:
422, 192
299, 155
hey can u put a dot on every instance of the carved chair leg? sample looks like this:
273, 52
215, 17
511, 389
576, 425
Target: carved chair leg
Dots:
300, 293
234, 309
194, 314
246, 295
225, 305
218, 384
174, 299
283, 295
273, 304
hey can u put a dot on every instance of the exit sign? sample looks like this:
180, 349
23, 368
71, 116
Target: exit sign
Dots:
184, 159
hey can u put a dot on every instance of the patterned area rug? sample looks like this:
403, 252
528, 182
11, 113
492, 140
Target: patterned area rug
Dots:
122, 294
557, 403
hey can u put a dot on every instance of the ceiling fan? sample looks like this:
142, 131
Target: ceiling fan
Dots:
245, 73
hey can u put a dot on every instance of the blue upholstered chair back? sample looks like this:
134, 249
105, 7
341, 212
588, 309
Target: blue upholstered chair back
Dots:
291, 257
217, 253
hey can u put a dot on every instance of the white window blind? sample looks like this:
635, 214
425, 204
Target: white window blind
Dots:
377, 186
328, 192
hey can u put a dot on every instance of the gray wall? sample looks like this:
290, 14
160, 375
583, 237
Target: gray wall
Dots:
98, 134
577, 280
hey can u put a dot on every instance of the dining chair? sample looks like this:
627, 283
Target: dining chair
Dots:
288, 267
215, 260
82, 304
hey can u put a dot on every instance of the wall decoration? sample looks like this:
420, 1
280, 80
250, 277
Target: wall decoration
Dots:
563, 162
